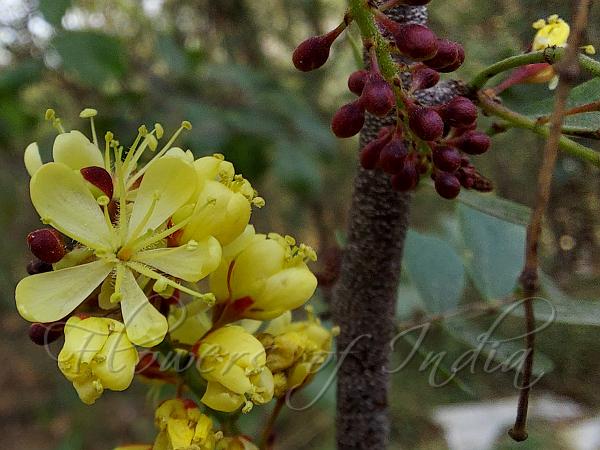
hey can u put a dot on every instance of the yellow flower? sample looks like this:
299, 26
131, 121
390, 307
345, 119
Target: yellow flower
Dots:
97, 355
189, 322
551, 33
295, 350
183, 427
267, 277
228, 197
134, 245
233, 362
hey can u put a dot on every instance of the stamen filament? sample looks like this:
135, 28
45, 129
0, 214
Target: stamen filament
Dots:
122, 196
147, 216
116, 296
150, 273
184, 126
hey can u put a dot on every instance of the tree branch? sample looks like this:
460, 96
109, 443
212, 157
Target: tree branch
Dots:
364, 300
568, 70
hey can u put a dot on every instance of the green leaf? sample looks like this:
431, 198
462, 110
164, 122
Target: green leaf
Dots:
436, 271
54, 10
496, 206
553, 305
91, 56
494, 251
500, 349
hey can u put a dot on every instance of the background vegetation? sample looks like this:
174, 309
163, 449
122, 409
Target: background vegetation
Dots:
225, 66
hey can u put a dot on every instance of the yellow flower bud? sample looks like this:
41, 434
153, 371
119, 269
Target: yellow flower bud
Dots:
97, 355
234, 364
267, 278
182, 426
295, 350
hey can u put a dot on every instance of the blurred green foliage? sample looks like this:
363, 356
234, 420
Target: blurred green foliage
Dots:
225, 66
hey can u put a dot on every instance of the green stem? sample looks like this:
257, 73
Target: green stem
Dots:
549, 55
520, 121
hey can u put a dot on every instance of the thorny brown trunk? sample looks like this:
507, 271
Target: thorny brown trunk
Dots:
364, 301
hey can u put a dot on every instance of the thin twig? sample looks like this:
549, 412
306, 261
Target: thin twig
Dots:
588, 107
268, 435
568, 70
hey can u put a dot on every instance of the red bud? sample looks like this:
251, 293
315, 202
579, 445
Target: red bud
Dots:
446, 158
447, 185
416, 41
459, 112
357, 81
473, 142
314, 51
348, 120
407, 178
426, 123
377, 96
392, 156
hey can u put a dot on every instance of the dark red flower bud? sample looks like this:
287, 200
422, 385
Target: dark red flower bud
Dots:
459, 112
357, 81
466, 176
348, 120
407, 178
425, 122
46, 333
446, 55
473, 142
100, 178
457, 63
392, 156
416, 41
46, 244
36, 266
377, 96
446, 158
314, 51
424, 77
369, 155
446, 184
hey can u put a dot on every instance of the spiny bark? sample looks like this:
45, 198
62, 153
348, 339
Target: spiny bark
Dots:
364, 301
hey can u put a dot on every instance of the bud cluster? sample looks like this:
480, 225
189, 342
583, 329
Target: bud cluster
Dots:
425, 140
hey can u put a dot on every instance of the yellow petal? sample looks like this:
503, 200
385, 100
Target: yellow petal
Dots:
145, 326
62, 200
118, 359
50, 296
76, 151
257, 262
169, 182
221, 399
288, 289
190, 262
32, 158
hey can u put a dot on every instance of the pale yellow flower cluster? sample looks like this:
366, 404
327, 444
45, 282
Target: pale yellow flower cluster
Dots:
143, 232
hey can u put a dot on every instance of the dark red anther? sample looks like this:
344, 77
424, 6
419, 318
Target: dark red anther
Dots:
46, 333
100, 178
47, 245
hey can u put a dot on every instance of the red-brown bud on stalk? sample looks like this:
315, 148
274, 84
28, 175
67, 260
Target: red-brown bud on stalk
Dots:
369, 155
348, 120
314, 51
423, 77
446, 158
425, 122
446, 184
377, 96
357, 81
392, 156
407, 178
459, 112
473, 142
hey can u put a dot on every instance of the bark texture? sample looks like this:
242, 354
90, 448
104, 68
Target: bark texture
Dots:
364, 300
